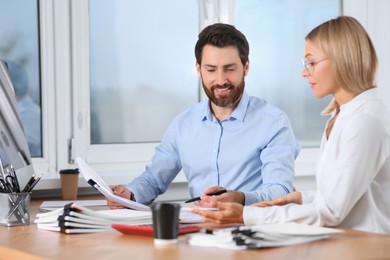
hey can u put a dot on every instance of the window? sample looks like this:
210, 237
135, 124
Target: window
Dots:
142, 70
19, 47
142, 62
276, 32
142, 67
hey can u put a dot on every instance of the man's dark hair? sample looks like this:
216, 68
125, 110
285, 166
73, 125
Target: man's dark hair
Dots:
222, 35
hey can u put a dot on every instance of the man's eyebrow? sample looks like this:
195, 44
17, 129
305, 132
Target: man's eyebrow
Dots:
230, 65
209, 66
224, 66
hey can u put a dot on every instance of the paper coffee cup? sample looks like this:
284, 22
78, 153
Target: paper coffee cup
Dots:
69, 183
165, 223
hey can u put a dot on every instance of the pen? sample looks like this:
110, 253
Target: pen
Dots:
15, 178
210, 194
34, 183
2, 170
4, 187
31, 183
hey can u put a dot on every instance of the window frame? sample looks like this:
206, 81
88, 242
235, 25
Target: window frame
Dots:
47, 162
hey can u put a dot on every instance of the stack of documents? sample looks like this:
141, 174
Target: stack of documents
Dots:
253, 237
78, 219
73, 218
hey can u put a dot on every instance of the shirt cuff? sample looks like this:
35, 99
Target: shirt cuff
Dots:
308, 196
135, 194
253, 215
250, 198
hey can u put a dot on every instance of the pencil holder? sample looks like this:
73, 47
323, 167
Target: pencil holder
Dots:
14, 209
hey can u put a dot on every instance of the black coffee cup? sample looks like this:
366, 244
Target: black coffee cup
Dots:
165, 222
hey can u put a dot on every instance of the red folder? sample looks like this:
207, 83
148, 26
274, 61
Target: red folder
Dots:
147, 230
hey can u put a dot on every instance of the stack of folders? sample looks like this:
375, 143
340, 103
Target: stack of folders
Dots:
78, 219
262, 236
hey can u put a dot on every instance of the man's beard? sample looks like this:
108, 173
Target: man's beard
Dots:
231, 99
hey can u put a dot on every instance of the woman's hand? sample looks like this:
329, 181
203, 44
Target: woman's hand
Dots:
293, 197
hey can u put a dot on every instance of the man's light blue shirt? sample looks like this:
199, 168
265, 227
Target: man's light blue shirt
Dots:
252, 151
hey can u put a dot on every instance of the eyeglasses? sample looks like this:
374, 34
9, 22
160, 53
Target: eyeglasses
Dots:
311, 64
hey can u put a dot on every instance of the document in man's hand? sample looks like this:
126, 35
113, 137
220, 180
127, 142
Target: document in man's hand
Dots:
98, 183
186, 216
261, 236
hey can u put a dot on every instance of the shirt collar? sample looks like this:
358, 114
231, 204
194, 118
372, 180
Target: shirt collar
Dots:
359, 100
238, 113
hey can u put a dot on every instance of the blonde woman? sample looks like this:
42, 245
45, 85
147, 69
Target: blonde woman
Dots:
353, 173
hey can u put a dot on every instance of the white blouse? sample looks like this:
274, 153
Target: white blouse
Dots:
353, 174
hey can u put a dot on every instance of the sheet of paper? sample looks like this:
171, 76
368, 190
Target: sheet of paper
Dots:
89, 174
189, 209
126, 213
62, 203
295, 229
185, 216
189, 217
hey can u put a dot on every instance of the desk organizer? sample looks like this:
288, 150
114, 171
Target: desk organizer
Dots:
15, 209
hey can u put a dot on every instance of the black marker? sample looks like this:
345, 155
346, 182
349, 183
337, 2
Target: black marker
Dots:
31, 183
210, 194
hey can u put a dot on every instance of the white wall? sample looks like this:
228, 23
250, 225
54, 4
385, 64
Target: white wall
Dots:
374, 16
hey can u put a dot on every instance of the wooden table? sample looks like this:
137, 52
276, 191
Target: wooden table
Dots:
29, 242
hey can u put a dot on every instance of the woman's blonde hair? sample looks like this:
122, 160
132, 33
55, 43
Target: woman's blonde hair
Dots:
349, 48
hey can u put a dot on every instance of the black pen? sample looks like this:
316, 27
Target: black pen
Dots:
4, 187
210, 194
15, 179
28, 185
2, 170
34, 183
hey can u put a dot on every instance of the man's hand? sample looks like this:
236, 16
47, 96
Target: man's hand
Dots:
229, 196
121, 191
293, 197
228, 213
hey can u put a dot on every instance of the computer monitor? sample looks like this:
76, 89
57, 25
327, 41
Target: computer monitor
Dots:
13, 143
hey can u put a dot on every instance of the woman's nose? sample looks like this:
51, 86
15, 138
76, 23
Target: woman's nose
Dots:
304, 73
